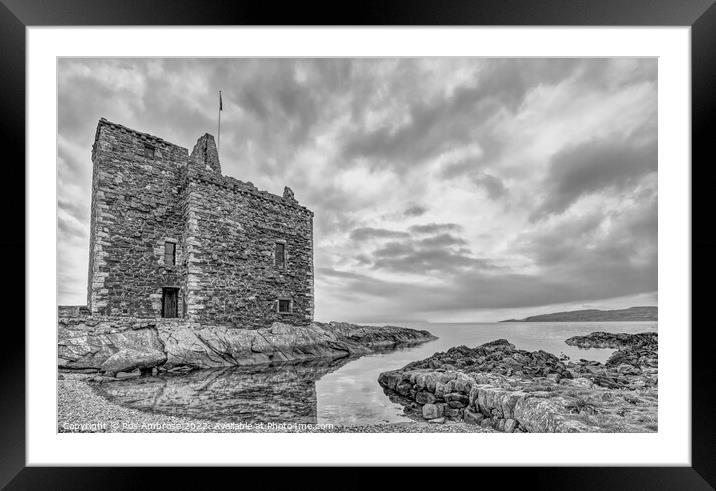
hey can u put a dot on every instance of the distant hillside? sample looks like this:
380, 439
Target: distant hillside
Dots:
594, 315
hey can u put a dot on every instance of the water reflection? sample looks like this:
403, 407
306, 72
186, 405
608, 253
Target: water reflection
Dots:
344, 391
275, 393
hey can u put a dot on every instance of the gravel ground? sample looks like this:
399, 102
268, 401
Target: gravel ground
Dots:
80, 409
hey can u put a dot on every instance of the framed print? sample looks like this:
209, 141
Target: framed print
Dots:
254, 238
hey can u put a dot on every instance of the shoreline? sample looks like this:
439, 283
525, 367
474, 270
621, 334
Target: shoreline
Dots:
123, 345
78, 404
493, 387
496, 385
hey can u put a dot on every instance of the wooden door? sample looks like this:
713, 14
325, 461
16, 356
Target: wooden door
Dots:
169, 302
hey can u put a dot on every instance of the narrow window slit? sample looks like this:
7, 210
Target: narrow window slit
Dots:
170, 254
280, 255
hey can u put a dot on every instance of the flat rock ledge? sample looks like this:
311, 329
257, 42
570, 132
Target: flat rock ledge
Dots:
497, 386
121, 345
600, 339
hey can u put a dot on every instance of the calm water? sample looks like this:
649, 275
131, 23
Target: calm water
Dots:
342, 391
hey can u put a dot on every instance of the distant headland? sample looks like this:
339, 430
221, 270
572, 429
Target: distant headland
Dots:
647, 313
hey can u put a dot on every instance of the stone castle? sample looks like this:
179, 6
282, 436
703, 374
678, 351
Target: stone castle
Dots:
171, 237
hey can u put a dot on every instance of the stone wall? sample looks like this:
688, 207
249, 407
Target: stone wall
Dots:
498, 386
231, 239
136, 208
72, 310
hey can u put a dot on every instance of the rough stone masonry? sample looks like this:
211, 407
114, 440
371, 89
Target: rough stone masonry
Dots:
171, 237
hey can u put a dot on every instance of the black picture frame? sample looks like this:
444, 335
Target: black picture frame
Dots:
16, 15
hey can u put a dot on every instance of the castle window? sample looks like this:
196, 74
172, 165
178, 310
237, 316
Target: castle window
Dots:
170, 253
149, 151
280, 255
284, 306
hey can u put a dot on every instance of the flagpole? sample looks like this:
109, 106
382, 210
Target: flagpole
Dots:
218, 143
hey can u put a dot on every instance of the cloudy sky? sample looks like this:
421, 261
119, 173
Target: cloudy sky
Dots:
444, 189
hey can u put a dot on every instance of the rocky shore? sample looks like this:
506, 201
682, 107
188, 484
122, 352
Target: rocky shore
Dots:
500, 387
121, 345
492, 387
612, 340
633, 366
95, 352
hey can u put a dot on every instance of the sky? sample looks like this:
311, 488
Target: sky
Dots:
444, 189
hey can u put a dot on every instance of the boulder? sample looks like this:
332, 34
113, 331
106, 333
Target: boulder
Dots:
447, 377
403, 387
457, 397
424, 397
420, 380
89, 349
452, 412
430, 382
441, 389
462, 385
389, 380
431, 411
472, 396
472, 417
126, 360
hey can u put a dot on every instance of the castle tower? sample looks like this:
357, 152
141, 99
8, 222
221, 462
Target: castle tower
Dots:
136, 224
170, 237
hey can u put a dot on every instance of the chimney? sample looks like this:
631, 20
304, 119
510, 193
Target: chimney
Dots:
205, 154
288, 194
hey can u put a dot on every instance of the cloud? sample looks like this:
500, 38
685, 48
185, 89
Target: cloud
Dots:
592, 167
459, 168
415, 211
433, 228
474, 290
440, 254
431, 126
367, 233
494, 186
442, 240
442, 187
69, 228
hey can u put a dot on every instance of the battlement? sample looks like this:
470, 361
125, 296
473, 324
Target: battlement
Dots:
204, 156
144, 136
248, 188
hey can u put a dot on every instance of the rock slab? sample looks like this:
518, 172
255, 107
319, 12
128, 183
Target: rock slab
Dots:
120, 345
